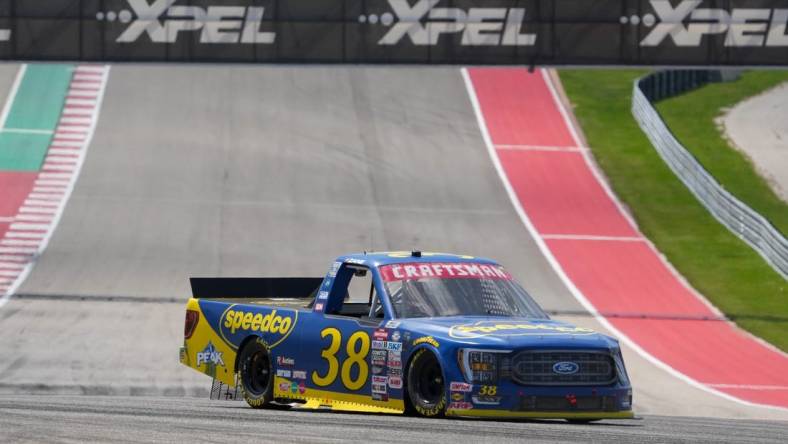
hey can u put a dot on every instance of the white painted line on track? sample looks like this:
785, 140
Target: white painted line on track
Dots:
9, 273
9, 101
25, 226
25, 234
27, 131
750, 386
60, 159
592, 238
68, 143
571, 149
41, 196
40, 203
64, 151
33, 218
13, 250
7, 219
515, 201
75, 120
73, 111
19, 242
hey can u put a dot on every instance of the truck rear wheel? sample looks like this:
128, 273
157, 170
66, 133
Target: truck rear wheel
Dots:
426, 387
256, 372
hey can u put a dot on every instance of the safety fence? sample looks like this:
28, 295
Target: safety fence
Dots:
739, 218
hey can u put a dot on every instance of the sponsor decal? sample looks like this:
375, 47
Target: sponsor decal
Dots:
327, 283
322, 295
460, 406
299, 374
301, 387
285, 361
395, 371
378, 357
318, 307
275, 324
565, 368
293, 387
466, 270
460, 387
394, 363
395, 382
334, 269
353, 260
381, 334
210, 356
424, 23
163, 21
686, 24
457, 396
386, 345
283, 373
426, 340
396, 336
380, 396
377, 370
379, 384
486, 400
498, 328
392, 324
284, 387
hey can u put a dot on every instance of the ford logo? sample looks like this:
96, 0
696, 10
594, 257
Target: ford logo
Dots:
565, 368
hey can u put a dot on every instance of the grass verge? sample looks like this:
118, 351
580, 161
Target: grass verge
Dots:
715, 262
692, 119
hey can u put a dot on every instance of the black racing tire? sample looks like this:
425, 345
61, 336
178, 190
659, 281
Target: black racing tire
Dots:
426, 386
256, 374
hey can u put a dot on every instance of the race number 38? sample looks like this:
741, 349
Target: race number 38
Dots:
357, 349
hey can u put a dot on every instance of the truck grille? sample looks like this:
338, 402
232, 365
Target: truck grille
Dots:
563, 368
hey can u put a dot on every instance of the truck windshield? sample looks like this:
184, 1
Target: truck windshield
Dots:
419, 290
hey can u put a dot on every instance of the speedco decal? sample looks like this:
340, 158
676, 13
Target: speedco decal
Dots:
466, 270
740, 26
497, 328
423, 23
273, 325
217, 24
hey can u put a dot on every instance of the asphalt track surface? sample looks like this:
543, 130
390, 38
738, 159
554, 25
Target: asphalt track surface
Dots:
249, 170
141, 419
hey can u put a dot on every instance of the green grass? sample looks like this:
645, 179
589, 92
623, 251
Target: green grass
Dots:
691, 118
715, 262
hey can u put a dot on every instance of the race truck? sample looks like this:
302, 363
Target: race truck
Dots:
425, 333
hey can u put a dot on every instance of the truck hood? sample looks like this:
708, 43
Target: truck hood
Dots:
507, 333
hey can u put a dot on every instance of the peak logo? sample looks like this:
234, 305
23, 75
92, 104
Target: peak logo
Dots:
742, 27
217, 24
424, 24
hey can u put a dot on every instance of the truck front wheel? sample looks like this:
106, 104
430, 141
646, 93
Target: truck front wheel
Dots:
426, 388
255, 368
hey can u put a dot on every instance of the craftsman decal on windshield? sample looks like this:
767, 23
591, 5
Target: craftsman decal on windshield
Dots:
400, 272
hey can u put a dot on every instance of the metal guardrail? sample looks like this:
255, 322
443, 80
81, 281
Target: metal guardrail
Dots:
740, 219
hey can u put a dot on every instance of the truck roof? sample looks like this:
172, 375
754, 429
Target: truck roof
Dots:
378, 258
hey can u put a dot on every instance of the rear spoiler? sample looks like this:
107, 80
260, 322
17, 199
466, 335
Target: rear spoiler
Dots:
258, 288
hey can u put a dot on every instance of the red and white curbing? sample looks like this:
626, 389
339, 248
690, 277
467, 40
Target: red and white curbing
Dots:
29, 233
